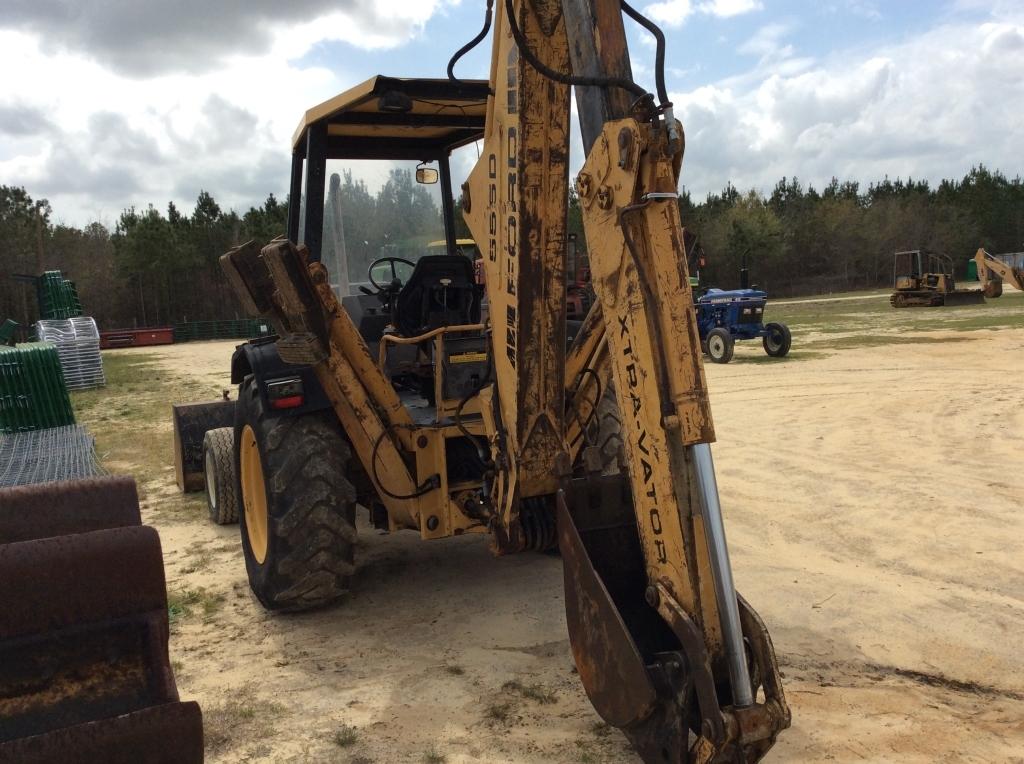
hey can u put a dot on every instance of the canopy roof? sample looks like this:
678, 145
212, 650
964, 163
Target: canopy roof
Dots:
391, 118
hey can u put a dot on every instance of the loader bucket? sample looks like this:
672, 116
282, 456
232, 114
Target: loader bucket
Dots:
964, 297
84, 670
191, 423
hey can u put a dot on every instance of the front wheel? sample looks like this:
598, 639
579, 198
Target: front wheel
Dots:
778, 340
219, 475
298, 505
721, 345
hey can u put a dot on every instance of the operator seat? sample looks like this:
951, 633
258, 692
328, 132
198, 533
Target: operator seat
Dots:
440, 292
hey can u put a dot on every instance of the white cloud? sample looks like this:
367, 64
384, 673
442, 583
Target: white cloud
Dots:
143, 38
931, 107
767, 41
670, 12
79, 126
727, 8
673, 13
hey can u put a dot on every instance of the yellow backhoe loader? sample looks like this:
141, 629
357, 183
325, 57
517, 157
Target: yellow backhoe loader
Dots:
993, 270
402, 400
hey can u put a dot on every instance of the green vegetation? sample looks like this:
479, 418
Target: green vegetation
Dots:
345, 737
535, 692
433, 756
185, 602
241, 718
802, 240
130, 420
844, 323
161, 268
498, 712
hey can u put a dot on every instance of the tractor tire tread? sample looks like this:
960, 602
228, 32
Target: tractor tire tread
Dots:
311, 503
220, 444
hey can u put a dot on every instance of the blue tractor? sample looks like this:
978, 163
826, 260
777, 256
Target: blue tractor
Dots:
724, 316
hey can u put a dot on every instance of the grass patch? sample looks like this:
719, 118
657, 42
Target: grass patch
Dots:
535, 692
874, 316
200, 558
498, 712
867, 341
793, 355
183, 603
345, 737
130, 419
249, 720
433, 756
125, 415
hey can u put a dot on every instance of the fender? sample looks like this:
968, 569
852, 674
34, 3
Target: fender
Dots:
260, 358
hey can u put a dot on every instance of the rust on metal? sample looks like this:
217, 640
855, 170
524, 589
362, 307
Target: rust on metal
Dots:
171, 733
83, 629
191, 423
74, 506
609, 663
84, 670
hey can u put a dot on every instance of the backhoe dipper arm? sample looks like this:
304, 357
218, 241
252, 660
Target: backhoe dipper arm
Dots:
992, 272
665, 648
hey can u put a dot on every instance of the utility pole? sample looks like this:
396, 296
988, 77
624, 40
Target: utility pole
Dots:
39, 241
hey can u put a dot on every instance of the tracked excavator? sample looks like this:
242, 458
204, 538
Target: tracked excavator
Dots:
994, 270
403, 400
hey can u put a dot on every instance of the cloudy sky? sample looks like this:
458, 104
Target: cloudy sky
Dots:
106, 104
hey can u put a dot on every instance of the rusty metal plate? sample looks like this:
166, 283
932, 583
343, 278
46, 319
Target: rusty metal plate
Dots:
83, 629
73, 506
610, 666
171, 733
191, 423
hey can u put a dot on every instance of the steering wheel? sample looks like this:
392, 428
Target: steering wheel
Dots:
392, 261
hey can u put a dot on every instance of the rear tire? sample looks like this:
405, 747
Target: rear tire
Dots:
721, 345
298, 519
606, 431
778, 341
219, 475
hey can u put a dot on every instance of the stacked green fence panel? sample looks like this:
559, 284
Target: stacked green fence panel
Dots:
58, 297
230, 329
7, 330
33, 395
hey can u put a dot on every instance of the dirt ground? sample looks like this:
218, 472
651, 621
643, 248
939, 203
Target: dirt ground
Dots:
874, 509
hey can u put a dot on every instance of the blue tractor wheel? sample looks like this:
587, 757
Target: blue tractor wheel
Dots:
778, 340
720, 344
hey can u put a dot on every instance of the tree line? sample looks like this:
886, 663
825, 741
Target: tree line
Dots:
159, 268
800, 241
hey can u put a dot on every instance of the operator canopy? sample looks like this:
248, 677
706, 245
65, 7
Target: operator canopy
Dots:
392, 118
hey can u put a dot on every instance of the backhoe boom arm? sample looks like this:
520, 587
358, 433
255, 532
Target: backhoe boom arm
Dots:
665, 648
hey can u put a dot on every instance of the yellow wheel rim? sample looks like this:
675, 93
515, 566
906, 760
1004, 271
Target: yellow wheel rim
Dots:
254, 494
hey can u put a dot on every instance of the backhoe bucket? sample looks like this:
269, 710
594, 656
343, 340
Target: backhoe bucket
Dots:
608, 621
649, 676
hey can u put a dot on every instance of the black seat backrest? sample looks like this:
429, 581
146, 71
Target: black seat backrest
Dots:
440, 292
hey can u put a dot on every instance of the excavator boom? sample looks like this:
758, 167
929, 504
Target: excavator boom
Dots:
994, 272
665, 648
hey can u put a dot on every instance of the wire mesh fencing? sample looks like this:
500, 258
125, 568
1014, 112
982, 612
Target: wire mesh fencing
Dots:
78, 345
45, 456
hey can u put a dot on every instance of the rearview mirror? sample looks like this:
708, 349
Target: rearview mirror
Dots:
426, 175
